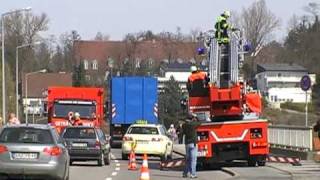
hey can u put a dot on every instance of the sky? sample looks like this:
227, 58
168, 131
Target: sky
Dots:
119, 17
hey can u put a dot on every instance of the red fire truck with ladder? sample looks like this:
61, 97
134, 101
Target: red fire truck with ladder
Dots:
231, 128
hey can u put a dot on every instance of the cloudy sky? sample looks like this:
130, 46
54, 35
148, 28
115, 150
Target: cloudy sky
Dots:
118, 17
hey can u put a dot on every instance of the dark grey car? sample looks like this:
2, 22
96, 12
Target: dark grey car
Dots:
32, 151
87, 143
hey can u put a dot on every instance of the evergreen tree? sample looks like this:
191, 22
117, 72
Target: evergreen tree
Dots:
170, 110
78, 76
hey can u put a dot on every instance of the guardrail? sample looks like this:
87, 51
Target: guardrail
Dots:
296, 138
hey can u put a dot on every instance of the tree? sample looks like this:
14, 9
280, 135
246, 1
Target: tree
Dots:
78, 75
66, 42
258, 23
101, 37
131, 44
169, 103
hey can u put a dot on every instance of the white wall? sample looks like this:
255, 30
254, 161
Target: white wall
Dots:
288, 94
288, 89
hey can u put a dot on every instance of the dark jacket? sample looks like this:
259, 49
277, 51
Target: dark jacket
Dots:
190, 131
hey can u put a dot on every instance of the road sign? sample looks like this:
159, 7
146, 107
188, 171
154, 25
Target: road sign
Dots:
305, 83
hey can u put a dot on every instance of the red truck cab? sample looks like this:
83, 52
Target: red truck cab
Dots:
64, 102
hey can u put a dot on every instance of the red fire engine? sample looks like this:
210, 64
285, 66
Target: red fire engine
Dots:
231, 128
64, 102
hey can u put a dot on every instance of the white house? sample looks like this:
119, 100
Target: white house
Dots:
281, 82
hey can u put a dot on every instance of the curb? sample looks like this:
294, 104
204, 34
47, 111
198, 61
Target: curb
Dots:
285, 171
230, 172
179, 153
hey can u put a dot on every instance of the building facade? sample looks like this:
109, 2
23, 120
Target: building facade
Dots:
280, 83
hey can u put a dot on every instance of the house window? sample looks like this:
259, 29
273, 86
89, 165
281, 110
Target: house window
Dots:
95, 65
85, 64
88, 77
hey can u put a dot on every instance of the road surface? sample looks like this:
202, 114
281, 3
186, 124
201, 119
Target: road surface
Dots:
237, 170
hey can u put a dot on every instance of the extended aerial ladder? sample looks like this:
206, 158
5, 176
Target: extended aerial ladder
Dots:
227, 91
231, 128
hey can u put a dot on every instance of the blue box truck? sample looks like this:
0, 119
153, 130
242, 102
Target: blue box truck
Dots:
132, 99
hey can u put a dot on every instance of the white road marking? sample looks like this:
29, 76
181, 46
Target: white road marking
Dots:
116, 161
117, 169
118, 164
108, 178
114, 173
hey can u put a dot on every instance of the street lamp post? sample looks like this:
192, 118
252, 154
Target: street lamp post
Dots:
17, 73
26, 90
3, 59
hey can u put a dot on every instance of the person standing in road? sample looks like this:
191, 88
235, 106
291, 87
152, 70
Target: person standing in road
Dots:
190, 132
172, 132
180, 133
316, 128
13, 120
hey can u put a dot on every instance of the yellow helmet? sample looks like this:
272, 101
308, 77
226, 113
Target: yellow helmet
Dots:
227, 14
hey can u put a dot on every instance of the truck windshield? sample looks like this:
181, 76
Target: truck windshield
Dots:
87, 111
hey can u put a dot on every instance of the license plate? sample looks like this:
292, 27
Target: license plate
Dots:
25, 155
79, 144
61, 123
142, 142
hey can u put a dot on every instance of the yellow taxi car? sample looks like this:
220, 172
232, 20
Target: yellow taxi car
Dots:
150, 139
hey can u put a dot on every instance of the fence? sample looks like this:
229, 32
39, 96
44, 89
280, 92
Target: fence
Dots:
291, 137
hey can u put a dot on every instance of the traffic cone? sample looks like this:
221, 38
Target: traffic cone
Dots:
144, 169
132, 162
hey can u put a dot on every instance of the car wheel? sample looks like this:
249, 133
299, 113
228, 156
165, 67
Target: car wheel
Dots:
170, 155
107, 159
101, 160
124, 156
164, 157
261, 163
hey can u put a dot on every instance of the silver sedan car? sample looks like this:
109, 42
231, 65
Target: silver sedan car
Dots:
32, 151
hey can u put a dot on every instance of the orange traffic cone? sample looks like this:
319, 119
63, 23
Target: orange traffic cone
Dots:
132, 162
144, 169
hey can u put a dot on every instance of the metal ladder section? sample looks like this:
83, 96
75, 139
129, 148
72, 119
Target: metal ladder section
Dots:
234, 59
214, 62
224, 62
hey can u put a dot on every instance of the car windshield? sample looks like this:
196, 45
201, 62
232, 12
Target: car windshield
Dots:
143, 130
26, 135
79, 133
87, 111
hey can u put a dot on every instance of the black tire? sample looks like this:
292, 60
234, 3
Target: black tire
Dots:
261, 163
252, 162
107, 159
101, 160
124, 156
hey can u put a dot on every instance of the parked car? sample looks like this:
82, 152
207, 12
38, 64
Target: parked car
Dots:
148, 139
34, 151
87, 143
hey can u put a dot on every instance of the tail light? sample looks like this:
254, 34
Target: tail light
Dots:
255, 133
97, 144
127, 138
3, 149
53, 151
203, 135
156, 139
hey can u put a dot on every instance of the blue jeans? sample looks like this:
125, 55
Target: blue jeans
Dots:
191, 159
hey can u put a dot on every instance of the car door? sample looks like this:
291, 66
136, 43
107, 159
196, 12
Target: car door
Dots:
168, 141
